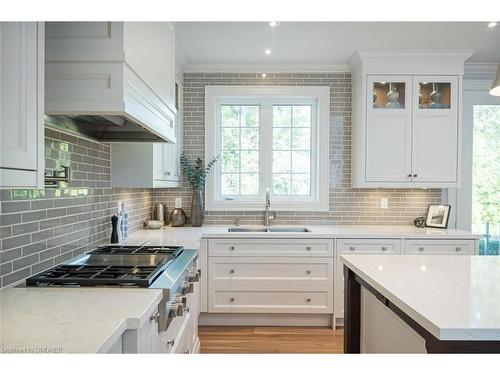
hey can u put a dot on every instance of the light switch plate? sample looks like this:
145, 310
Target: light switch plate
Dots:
384, 203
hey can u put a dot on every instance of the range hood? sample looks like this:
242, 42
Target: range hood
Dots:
102, 128
111, 81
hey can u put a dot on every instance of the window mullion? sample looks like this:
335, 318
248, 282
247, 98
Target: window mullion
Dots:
266, 153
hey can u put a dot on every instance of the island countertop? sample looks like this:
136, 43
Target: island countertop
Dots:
452, 297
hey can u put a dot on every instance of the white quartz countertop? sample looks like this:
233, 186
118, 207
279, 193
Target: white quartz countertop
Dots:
189, 237
71, 320
452, 297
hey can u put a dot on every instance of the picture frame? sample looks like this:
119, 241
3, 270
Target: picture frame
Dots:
438, 215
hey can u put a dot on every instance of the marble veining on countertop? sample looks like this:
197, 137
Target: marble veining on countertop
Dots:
71, 320
452, 297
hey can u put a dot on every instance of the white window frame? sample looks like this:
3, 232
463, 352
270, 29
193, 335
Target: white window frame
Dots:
319, 97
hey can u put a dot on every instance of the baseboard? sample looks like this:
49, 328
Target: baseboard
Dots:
196, 346
304, 320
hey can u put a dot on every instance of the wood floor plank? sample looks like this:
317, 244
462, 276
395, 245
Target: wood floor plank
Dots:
245, 340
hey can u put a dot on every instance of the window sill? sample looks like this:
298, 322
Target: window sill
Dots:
275, 206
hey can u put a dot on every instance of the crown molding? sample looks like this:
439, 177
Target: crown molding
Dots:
265, 68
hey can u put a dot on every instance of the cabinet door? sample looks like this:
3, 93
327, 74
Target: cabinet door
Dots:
158, 162
388, 129
21, 97
435, 129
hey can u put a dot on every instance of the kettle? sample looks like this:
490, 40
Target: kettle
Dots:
159, 211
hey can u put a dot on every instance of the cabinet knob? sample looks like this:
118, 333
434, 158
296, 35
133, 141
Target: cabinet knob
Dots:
458, 249
308, 248
231, 247
170, 342
352, 248
231, 299
384, 248
231, 271
409, 175
167, 173
155, 317
308, 272
420, 249
308, 300
415, 175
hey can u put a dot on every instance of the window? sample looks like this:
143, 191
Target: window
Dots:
272, 138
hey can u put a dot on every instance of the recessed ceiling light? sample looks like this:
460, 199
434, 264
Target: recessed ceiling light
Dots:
274, 23
491, 25
263, 75
267, 51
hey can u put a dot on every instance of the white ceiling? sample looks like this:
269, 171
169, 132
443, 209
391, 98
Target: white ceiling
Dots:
325, 43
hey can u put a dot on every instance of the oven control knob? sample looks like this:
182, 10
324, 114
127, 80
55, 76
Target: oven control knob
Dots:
194, 275
180, 298
187, 287
172, 309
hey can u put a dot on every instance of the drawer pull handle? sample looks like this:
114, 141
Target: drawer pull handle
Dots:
352, 248
420, 249
308, 300
308, 272
231, 271
384, 248
231, 247
231, 299
458, 249
308, 248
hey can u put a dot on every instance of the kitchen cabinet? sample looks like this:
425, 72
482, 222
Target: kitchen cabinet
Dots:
406, 127
150, 165
270, 276
22, 104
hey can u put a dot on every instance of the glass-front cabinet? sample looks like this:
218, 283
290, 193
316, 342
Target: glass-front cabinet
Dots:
411, 129
388, 129
434, 95
388, 95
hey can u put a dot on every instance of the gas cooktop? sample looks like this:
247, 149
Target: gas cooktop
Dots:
91, 275
127, 266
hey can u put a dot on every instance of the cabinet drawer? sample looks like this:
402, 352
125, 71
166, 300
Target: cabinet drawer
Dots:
271, 302
455, 247
300, 247
369, 246
282, 273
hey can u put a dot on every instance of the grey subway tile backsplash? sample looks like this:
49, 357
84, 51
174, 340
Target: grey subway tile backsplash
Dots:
40, 228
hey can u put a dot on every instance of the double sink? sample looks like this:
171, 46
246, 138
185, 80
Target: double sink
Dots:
269, 230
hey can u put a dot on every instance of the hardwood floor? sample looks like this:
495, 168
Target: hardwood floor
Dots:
244, 340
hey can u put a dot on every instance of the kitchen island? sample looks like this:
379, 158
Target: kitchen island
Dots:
422, 304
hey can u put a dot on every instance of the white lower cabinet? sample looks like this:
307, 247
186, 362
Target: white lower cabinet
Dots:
430, 247
270, 276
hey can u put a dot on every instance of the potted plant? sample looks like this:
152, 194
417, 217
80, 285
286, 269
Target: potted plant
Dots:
196, 175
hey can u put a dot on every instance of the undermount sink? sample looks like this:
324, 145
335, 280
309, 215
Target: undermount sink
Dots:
237, 229
270, 230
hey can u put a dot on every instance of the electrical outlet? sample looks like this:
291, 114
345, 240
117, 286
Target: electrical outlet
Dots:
384, 203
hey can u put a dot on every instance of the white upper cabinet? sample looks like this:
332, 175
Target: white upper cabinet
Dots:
122, 69
150, 165
21, 104
388, 129
406, 130
435, 129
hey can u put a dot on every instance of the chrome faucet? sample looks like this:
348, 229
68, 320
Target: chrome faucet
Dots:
268, 216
